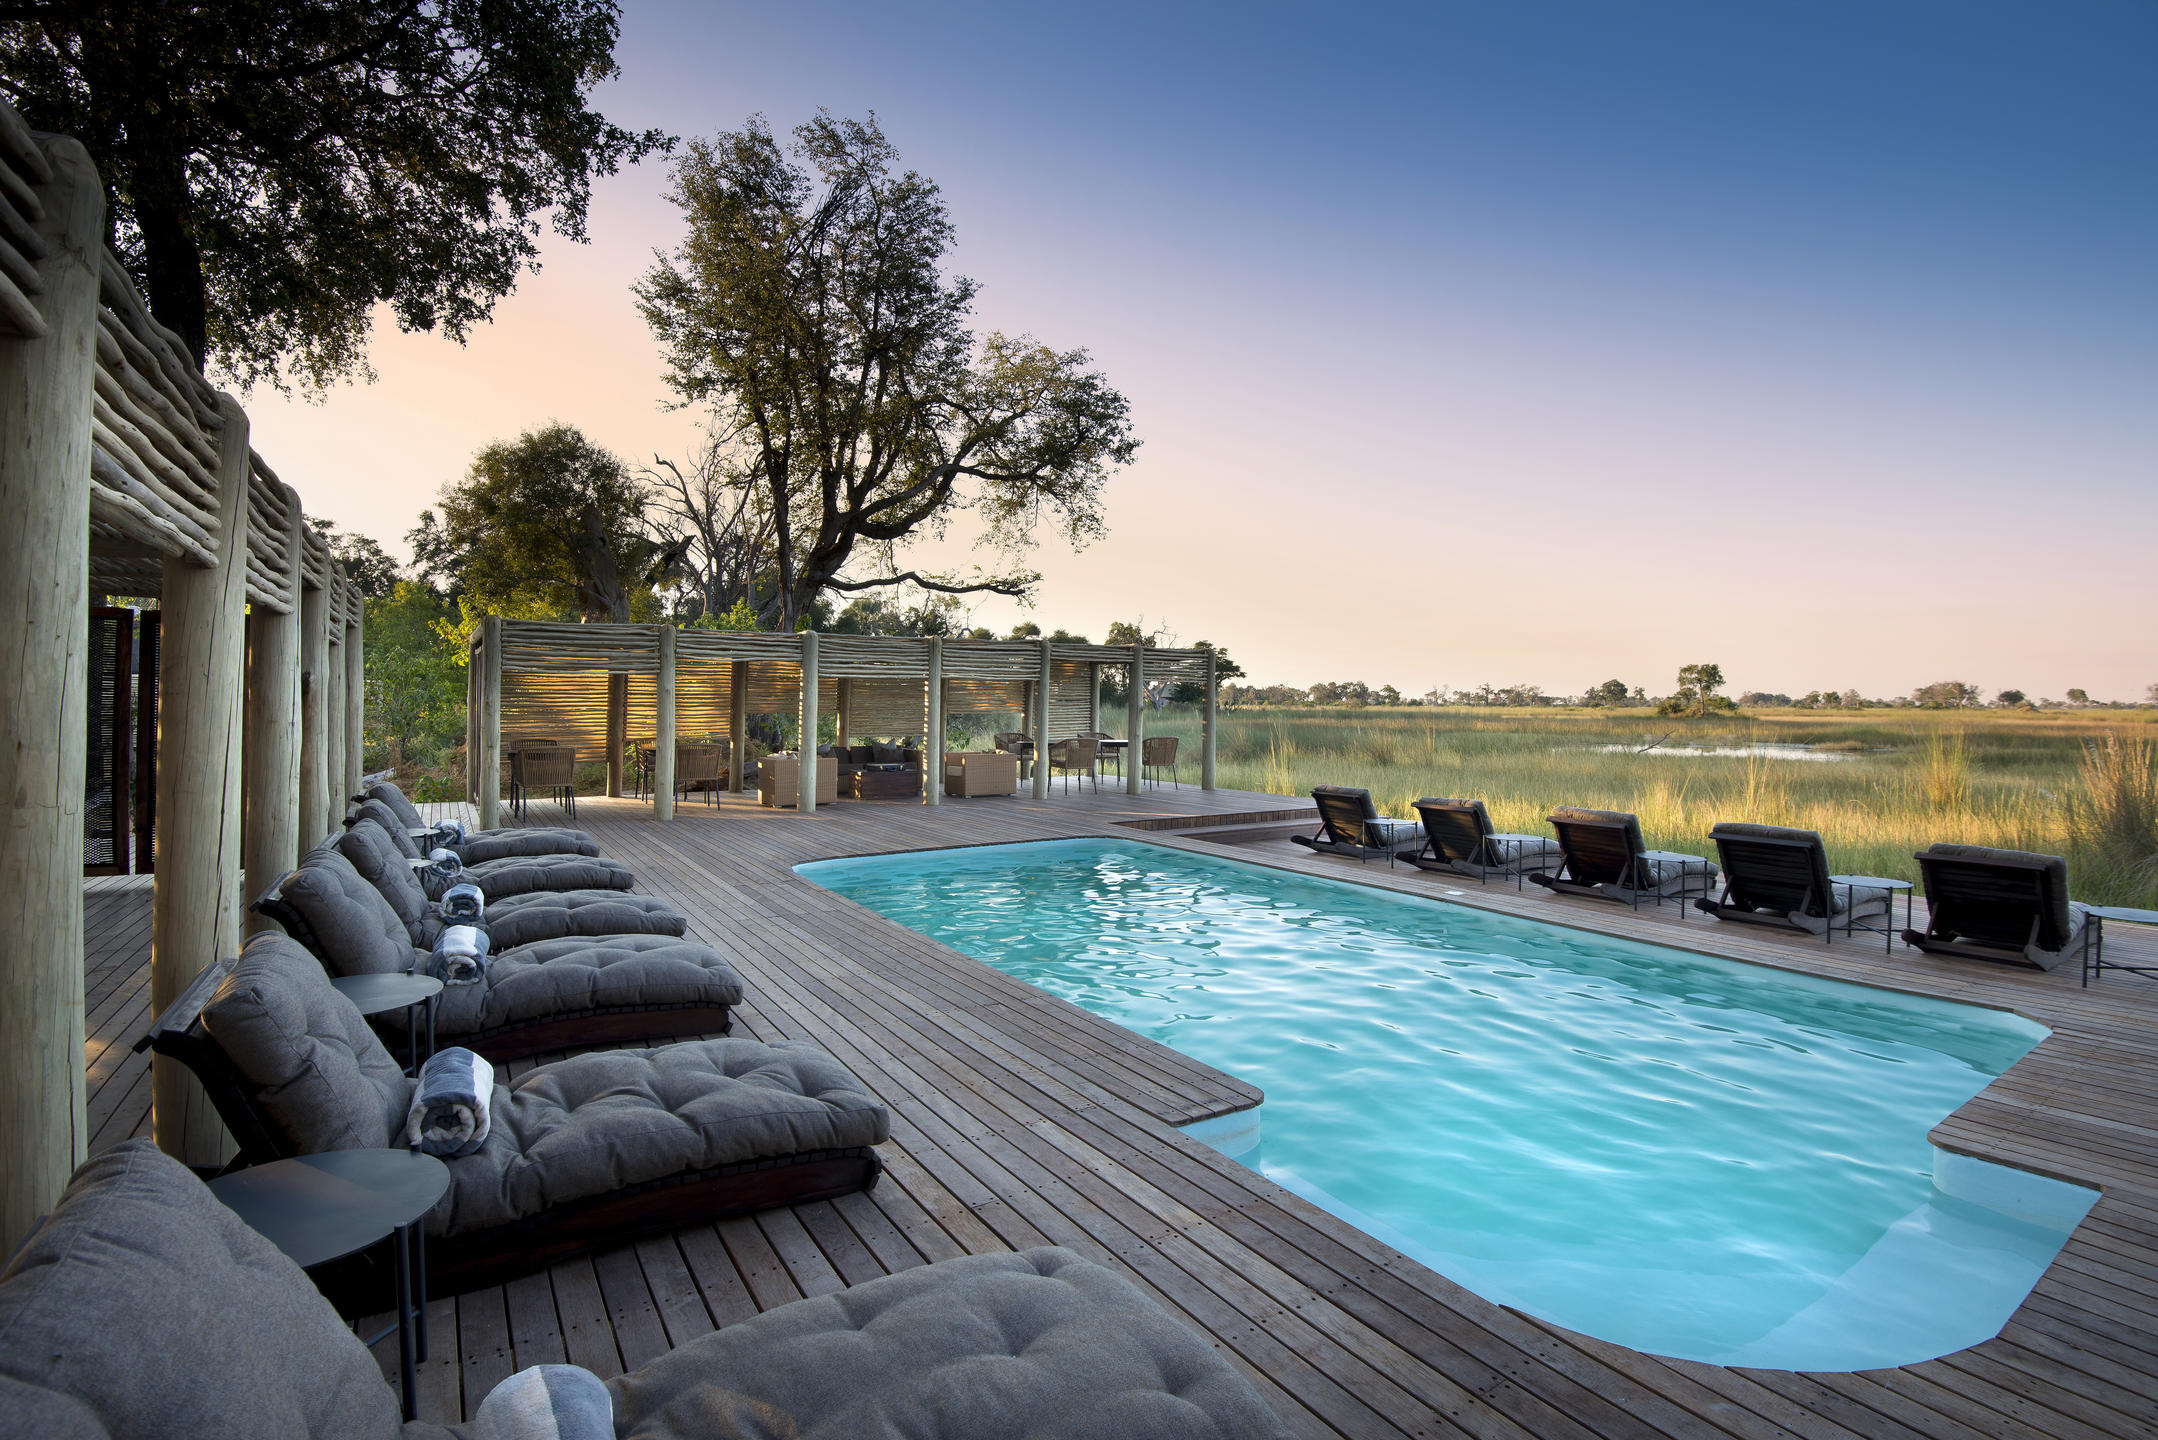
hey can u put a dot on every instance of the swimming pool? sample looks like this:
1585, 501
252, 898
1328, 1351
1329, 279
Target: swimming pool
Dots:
1693, 1157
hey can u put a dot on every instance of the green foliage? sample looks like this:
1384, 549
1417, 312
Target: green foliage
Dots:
1611, 695
809, 307
2113, 813
366, 563
741, 617
415, 679
1696, 694
274, 171
548, 525
1945, 695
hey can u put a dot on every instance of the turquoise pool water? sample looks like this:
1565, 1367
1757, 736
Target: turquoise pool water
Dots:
1694, 1157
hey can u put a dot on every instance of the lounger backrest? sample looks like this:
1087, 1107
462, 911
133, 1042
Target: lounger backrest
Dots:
334, 911
393, 827
393, 797
371, 851
1599, 845
306, 1058
1457, 828
2012, 898
142, 1307
1773, 867
1343, 811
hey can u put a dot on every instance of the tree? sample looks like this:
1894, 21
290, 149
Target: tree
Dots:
547, 524
415, 686
1609, 695
275, 169
2079, 697
728, 559
809, 308
2150, 694
1946, 695
366, 563
2009, 699
1696, 694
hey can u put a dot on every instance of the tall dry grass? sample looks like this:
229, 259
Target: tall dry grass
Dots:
1904, 780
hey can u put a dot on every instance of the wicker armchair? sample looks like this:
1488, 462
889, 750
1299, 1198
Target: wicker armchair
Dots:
548, 768
1159, 754
699, 767
1075, 757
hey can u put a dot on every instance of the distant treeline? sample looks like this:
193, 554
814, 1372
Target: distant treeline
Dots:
1691, 697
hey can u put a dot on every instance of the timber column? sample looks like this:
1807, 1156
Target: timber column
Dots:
617, 729
663, 728
933, 740
490, 726
1209, 726
333, 705
355, 689
45, 386
1135, 721
270, 843
737, 722
315, 821
1040, 722
195, 906
806, 793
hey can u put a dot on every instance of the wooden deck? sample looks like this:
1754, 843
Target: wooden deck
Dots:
1021, 1120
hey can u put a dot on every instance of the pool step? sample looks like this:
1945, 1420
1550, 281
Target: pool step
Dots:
1251, 832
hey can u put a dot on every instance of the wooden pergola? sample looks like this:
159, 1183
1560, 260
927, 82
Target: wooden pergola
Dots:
596, 686
122, 472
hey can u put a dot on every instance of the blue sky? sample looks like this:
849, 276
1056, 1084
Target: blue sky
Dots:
1813, 339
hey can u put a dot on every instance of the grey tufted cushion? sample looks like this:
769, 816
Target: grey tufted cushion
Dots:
406, 812
488, 845
353, 928
1040, 1345
1626, 819
392, 826
317, 1071
523, 874
600, 1122
370, 850
144, 1309
548, 915
556, 977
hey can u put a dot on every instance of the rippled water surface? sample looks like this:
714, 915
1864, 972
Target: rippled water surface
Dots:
1694, 1157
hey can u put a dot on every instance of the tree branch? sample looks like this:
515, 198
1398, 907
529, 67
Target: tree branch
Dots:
1015, 586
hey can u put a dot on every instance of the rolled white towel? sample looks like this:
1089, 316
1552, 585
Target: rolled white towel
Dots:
449, 1117
460, 955
547, 1402
464, 904
450, 834
444, 864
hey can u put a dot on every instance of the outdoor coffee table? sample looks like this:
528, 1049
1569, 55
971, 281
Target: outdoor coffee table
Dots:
1851, 925
380, 994
875, 782
319, 1208
2094, 953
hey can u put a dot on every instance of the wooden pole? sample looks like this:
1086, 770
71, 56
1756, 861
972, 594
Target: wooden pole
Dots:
1209, 726
270, 841
45, 388
195, 906
1093, 697
806, 793
617, 729
315, 819
846, 711
333, 707
737, 722
663, 729
933, 739
1135, 722
490, 663
1040, 723
355, 689
472, 726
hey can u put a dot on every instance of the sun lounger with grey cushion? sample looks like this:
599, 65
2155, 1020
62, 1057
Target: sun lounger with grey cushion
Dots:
480, 846
984, 1347
1458, 836
1602, 854
2007, 905
601, 983
1349, 824
1775, 875
500, 878
589, 1151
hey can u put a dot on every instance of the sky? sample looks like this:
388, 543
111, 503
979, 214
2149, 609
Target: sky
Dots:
1468, 343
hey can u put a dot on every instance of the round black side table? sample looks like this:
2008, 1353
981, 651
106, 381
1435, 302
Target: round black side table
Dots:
379, 994
319, 1208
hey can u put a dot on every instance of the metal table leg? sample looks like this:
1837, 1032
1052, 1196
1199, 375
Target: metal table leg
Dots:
405, 1369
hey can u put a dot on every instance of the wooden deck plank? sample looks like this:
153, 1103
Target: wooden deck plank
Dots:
1020, 1120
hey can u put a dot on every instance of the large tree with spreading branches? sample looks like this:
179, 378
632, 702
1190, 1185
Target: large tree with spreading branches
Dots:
275, 169
809, 307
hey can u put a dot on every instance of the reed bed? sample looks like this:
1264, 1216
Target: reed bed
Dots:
1883, 784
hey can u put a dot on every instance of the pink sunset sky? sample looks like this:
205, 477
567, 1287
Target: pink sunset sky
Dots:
1469, 347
